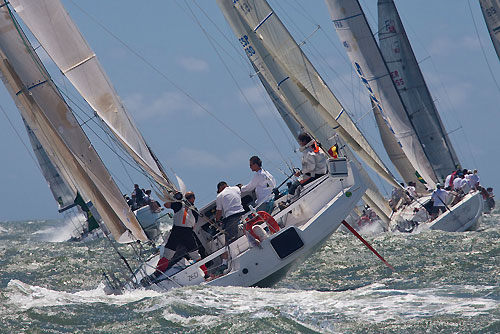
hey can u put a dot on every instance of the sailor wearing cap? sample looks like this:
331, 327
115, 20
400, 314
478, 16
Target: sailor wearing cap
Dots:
440, 198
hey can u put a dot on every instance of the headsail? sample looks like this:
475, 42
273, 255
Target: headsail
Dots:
63, 191
491, 13
279, 59
394, 151
356, 36
63, 42
409, 81
55, 126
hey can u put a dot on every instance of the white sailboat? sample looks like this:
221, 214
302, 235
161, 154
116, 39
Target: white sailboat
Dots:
409, 111
305, 221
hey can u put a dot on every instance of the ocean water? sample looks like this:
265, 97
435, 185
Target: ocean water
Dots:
444, 283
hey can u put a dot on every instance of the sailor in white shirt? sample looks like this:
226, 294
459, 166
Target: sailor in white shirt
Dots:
263, 182
457, 182
313, 162
440, 198
228, 205
474, 180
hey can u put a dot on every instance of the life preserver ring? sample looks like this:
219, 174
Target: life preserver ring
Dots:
262, 217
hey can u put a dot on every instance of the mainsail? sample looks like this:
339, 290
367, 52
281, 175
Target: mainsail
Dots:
282, 63
279, 66
410, 83
58, 131
491, 13
356, 36
63, 42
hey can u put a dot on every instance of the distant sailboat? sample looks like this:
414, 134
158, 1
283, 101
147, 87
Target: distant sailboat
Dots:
409, 111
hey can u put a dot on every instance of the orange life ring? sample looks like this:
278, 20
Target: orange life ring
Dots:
262, 216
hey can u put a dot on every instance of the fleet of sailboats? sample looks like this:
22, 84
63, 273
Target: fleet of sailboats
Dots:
410, 127
398, 91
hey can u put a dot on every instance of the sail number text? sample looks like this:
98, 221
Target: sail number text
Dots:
246, 45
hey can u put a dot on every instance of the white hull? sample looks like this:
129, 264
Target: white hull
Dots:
308, 222
464, 216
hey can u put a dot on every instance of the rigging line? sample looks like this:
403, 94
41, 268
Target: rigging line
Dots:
265, 98
163, 75
238, 51
30, 153
241, 90
482, 47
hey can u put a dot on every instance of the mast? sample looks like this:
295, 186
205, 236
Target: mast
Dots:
58, 131
491, 13
410, 83
356, 36
63, 42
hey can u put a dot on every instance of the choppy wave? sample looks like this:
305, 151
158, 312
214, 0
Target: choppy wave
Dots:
445, 283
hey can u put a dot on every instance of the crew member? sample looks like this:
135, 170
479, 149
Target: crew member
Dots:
228, 205
182, 234
440, 197
263, 183
313, 162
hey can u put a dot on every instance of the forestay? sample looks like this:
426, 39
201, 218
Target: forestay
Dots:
491, 13
63, 42
291, 75
410, 83
55, 126
356, 36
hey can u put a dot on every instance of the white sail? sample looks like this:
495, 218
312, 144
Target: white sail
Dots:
410, 83
63, 191
491, 13
63, 42
46, 113
356, 36
280, 60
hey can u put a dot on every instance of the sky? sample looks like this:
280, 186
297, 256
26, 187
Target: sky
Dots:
182, 76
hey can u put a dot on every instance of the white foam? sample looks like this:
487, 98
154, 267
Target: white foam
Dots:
373, 303
29, 296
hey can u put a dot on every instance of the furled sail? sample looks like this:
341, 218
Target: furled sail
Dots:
62, 190
56, 128
356, 36
410, 83
491, 13
280, 60
63, 42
